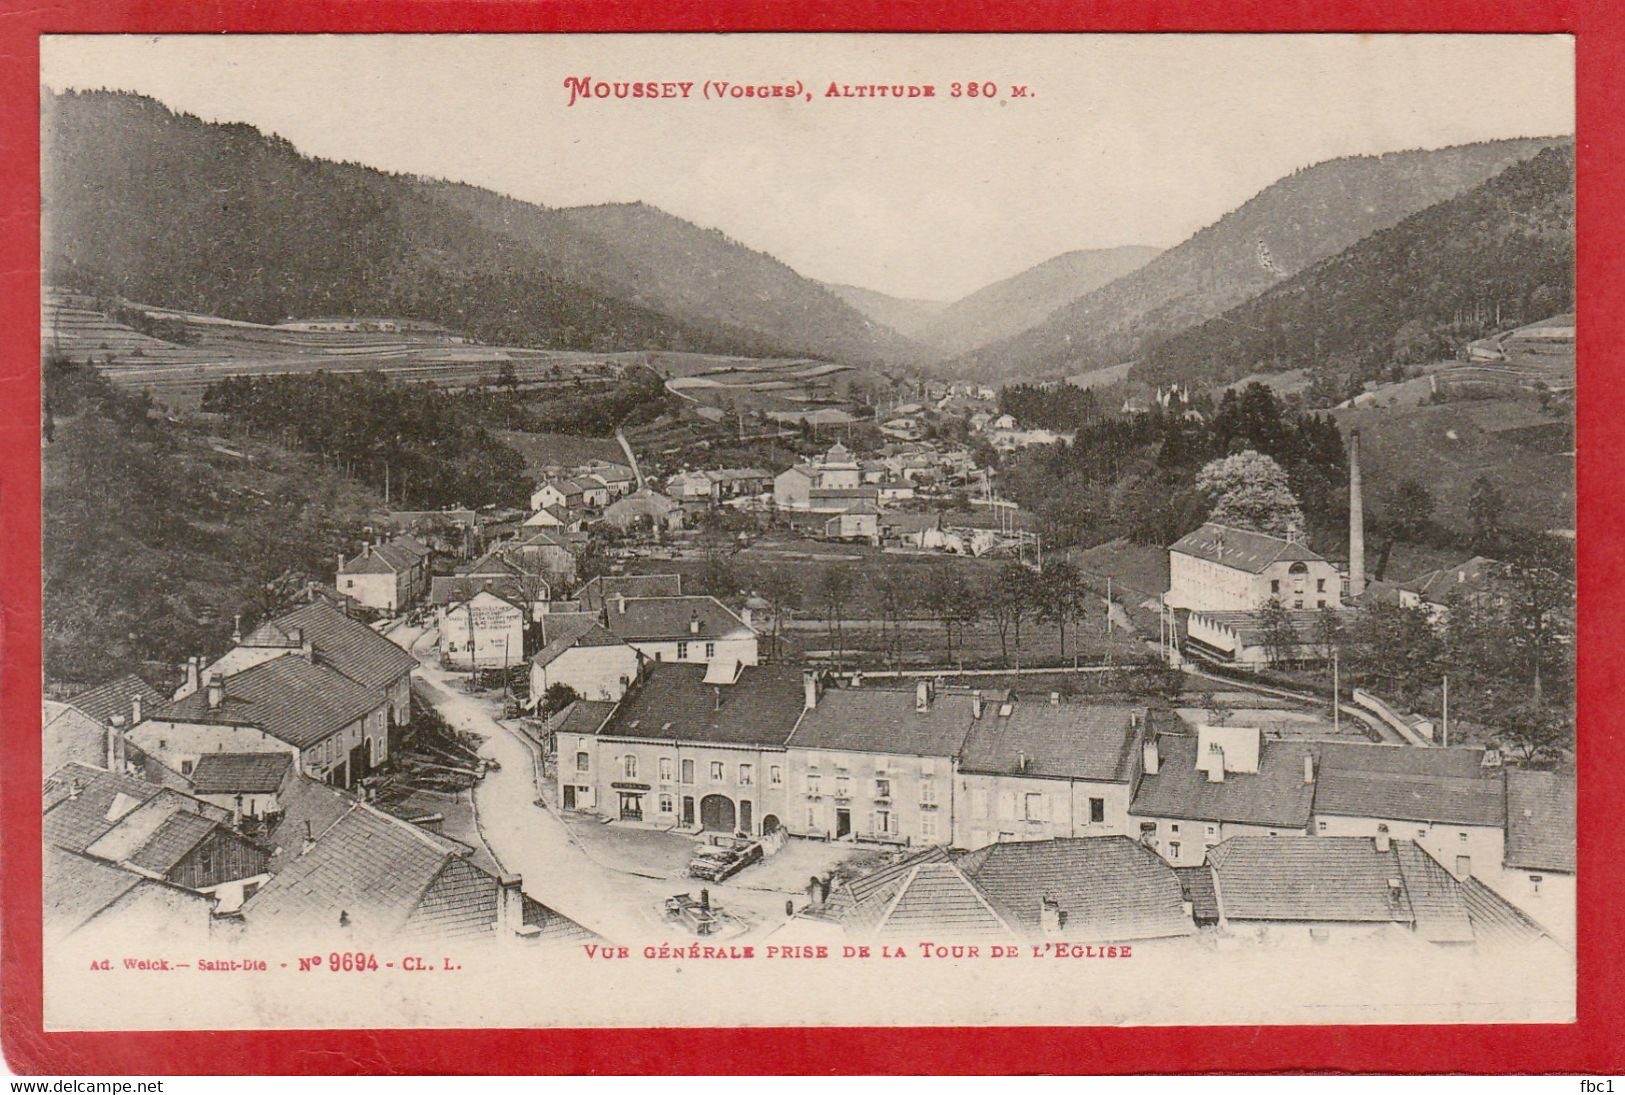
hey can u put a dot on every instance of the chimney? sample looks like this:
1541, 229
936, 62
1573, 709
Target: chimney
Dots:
237, 629
510, 905
1356, 520
1021, 760
716, 698
744, 615
693, 623
217, 691
1309, 768
922, 696
620, 603
308, 650
809, 689
1050, 917
1396, 890
310, 839
1149, 754
193, 668
1055, 699
341, 563
1215, 763
75, 789
976, 703
1381, 840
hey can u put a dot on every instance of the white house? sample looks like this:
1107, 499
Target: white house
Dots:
681, 629
1220, 568
578, 651
484, 632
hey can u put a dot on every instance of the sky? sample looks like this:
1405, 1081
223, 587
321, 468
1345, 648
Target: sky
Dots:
1120, 139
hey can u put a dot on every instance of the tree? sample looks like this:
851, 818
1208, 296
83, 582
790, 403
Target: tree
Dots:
1251, 491
835, 585
1412, 511
1063, 596
1280, 637
951, 601
894, 594
557, 697
1328, 633
1485, 505
1007, 604
1536, 731
782, 593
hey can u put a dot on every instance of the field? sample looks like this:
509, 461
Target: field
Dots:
764, 385
544, 450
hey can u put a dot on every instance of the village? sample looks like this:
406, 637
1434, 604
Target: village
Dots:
661, 707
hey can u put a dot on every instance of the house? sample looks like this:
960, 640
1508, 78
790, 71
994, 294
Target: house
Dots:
1195, 791
578, 651
1300, 891
1537, 865
1222, 569
903, 428
552, 517
370, 877
337, 642
483, 631
736, 483
690, 747
680, 629
878, 763
511, 572
335, 729
595, 594
861, 521
388, 577
1041, 770
153, 832
569, 494
694, 486
618, 479
644, 510
69, 736
1438, 591
894, 490
95, 904
249, 785
792, 488
842, 499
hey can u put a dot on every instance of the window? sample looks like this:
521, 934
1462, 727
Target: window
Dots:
1173, 827
745, 775
812, 783
1462, 837
1534, 883
843, 786
928, 826
1097, 810
775, 776
1173, 849
928, 791
349, 583
812, 818
186, 767
665, 770
682, 651
710, 651
630, 766
1275, 585
666, 804
716, 771
883, 788
688, 771
885, 821
1297, 602
1033, 807
1320, 602
1320, 585
1322, 826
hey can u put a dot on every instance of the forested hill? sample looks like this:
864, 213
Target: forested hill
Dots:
1308, 216
167, 209
1418, 290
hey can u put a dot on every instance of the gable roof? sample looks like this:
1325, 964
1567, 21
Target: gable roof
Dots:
1089, 741
673, 703
240, 773
114, 698
341, 643
1242, 549
563, 631
457, 588
287, 697
1455, 800
82, 803
1274, 795
1308, 878
1440, 587
651, 619
1540, 820
583, 717
67, 735
884, 720
596, 592
1111, 888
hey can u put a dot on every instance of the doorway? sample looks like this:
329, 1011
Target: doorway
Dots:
843, 823
688, 809
744, 816
717, 813
569, 796
631, 807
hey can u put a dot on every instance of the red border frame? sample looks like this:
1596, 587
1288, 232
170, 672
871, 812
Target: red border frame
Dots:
1593, 1045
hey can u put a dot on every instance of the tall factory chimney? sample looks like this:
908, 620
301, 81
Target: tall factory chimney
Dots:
1356, 520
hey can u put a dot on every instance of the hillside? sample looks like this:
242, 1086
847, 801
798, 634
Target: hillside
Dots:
1308, 216
1416, 291
1025, 300
906, 316
223, 220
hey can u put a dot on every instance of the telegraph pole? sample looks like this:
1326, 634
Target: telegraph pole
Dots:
1337, 709
1444, 719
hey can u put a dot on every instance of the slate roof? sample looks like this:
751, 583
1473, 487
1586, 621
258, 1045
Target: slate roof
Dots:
113, 698
1403, 759
1307, 878
1454, 800
594, 593
883, 720
342, 643
458, 588
1275, 795
1495, 920
1434, 894
583, 717
563, 631
1445, 585
175, 836
1196, 885
1242, 548
240, 773
77, 822
1088, 741
1111, 888
1540, 820
652, 619
936, 898
673, 703
287, 697
367, 865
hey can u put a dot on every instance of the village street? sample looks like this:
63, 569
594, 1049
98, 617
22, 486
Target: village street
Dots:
609, 879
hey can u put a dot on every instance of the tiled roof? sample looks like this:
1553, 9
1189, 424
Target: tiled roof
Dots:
641, 502
1242, 549
113, 698
1252, 629
650, 619
1196, 885
1435, 896
455, 589
1540, 820
884, 720
1308, 878
308, 806
1455, 800
370, 867
674, 704
287, 697
370, 562
936, 898
1090, 741
1442, 586
583, 717
1110, 888
1403, 759
177, 835
1274, 795
593, 595
240, 773
347, 644
563, 631
1495, 920
104, 798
